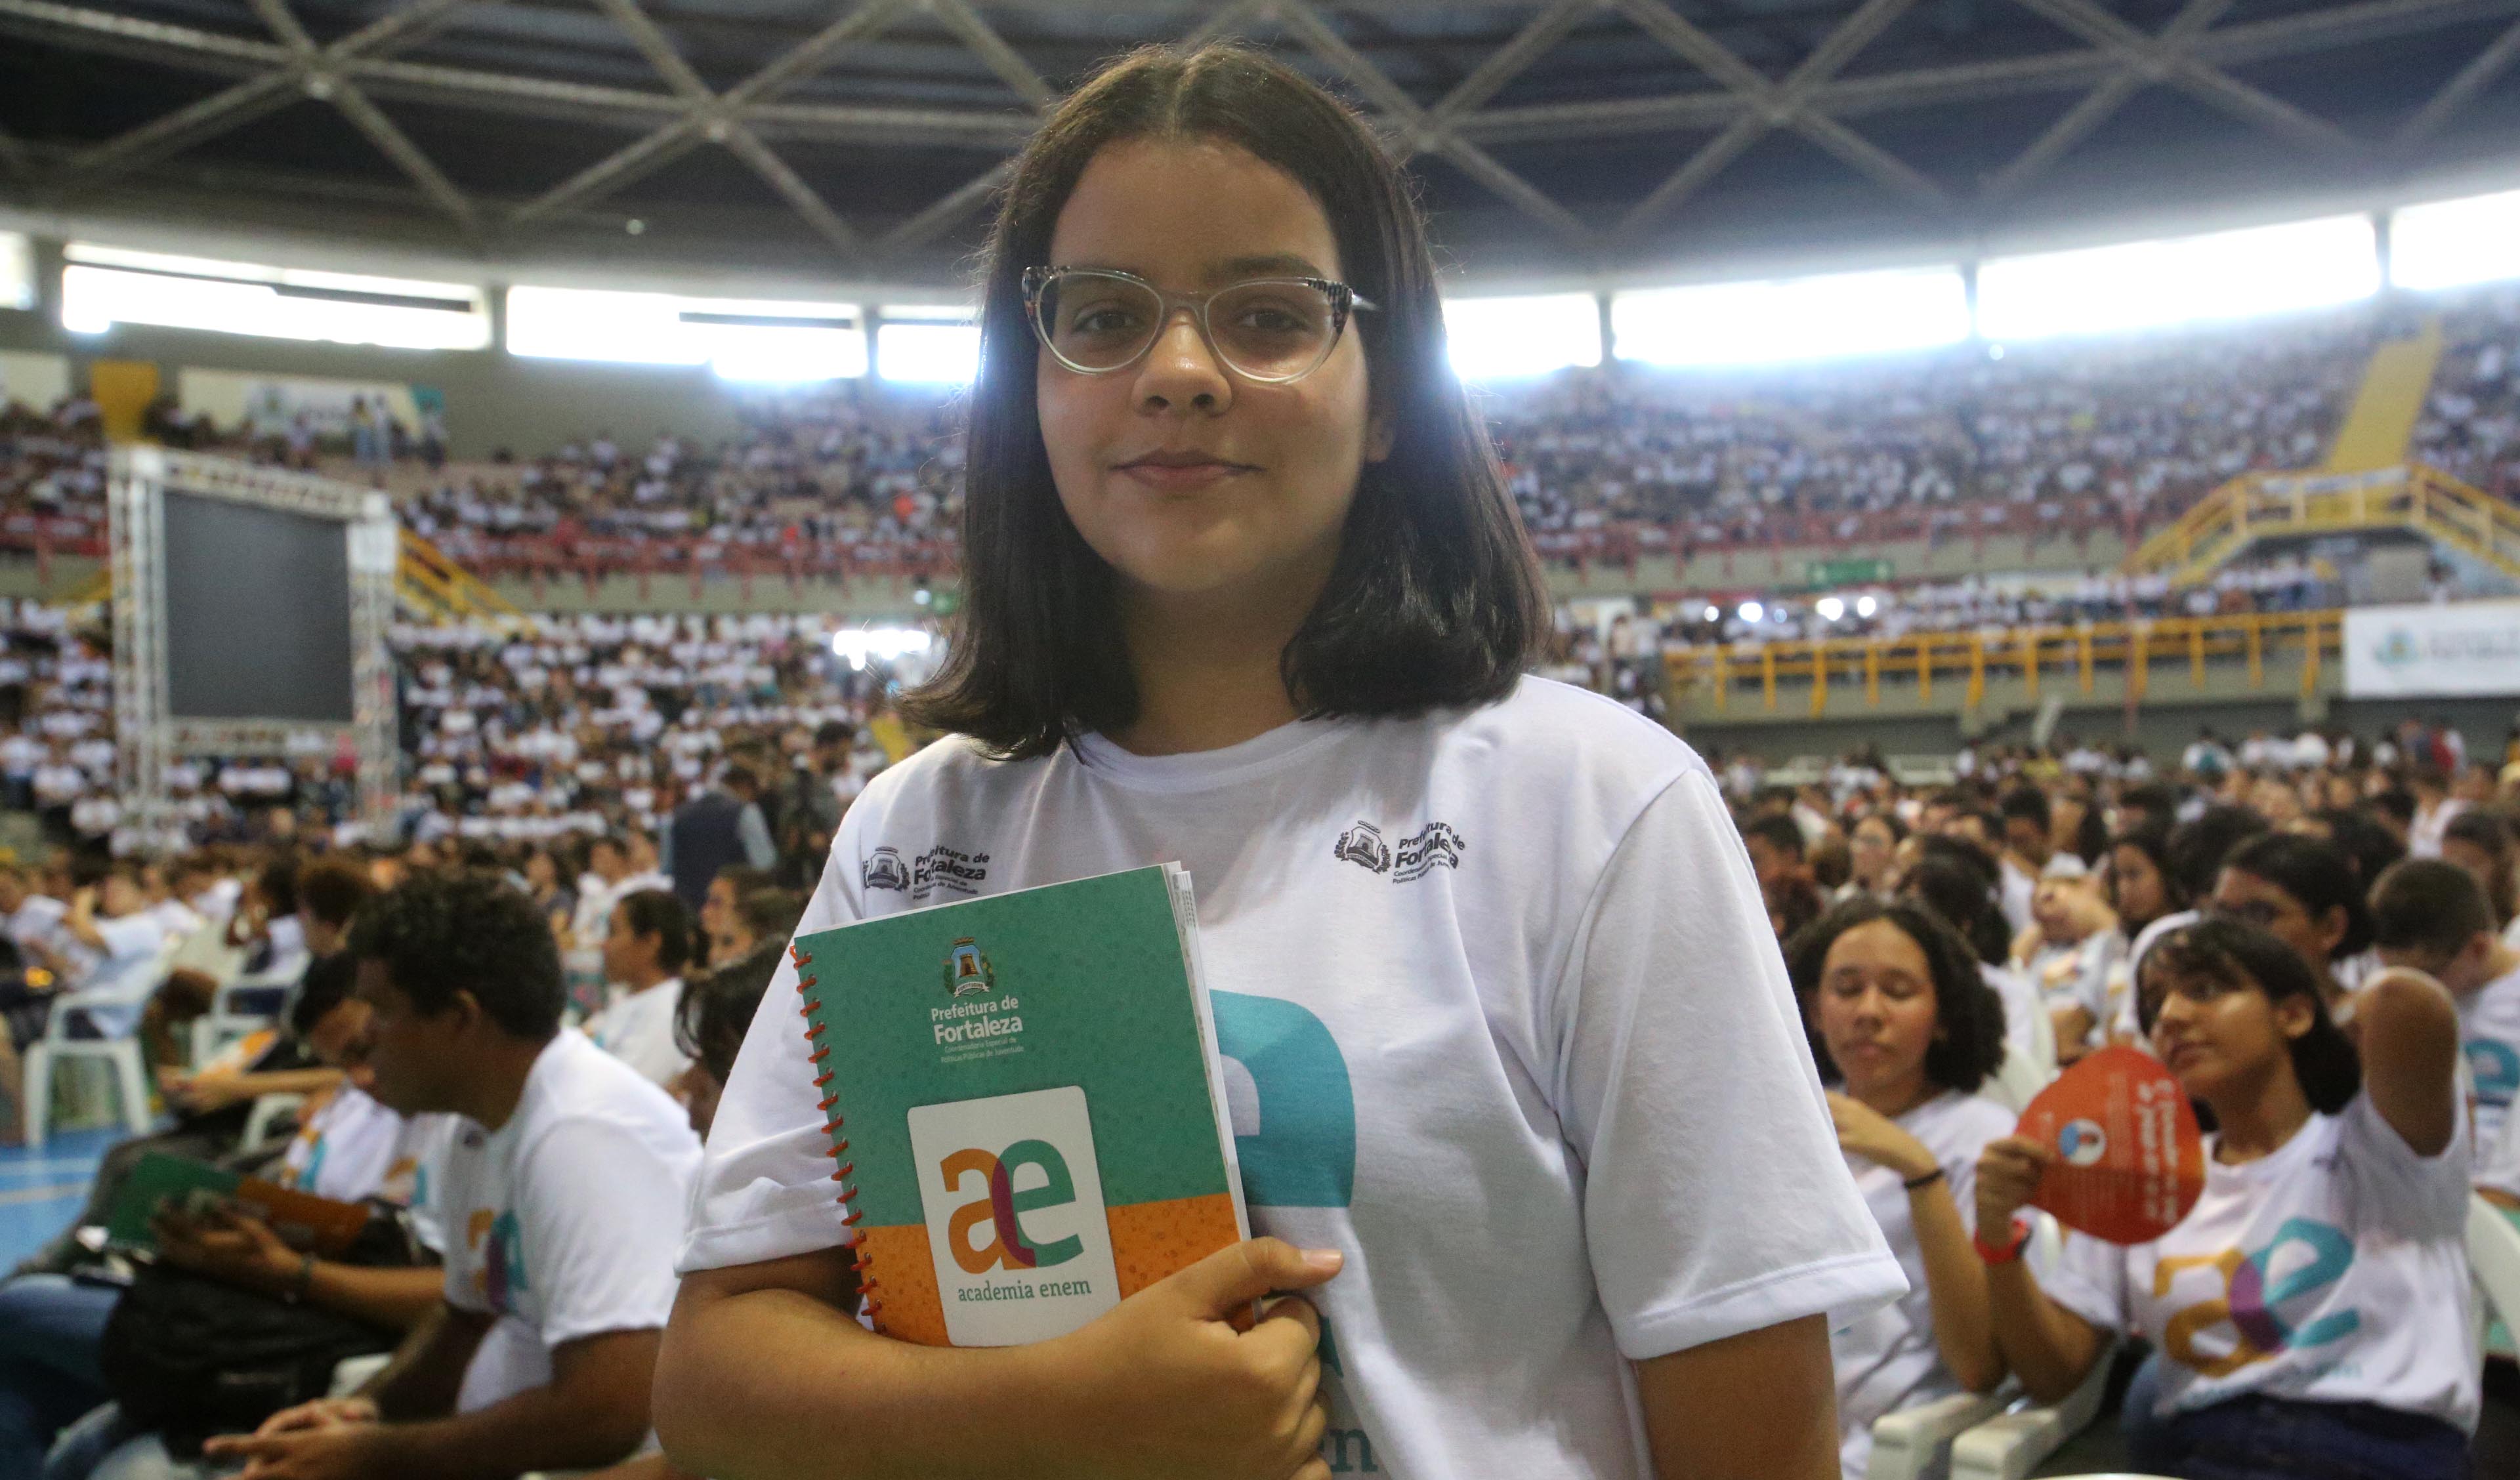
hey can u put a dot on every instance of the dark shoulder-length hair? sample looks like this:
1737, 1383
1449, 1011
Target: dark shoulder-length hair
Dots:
2232, 953
1968, 1017
1435, 599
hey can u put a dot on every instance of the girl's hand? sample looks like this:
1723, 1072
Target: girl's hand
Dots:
1165, 1385
1863, 1131
2007, 1177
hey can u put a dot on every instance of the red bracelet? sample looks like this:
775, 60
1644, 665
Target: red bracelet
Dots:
2006, 1253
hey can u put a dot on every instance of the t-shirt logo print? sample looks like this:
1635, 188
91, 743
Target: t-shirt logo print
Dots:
883, 869
1362, 845
1432, 846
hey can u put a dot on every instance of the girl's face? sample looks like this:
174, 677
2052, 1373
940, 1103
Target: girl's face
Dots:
2243, 895
1868, 851
2219, 1038
1262, 513
2137, 888
1876, 1010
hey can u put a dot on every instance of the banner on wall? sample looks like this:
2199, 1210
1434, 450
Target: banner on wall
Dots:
37, 380
2464, 647
271, 404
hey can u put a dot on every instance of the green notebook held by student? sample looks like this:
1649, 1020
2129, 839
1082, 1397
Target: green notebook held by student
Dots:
1025, 1103
159, 1180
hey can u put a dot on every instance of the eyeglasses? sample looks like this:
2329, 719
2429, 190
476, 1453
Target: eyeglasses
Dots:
1096, 321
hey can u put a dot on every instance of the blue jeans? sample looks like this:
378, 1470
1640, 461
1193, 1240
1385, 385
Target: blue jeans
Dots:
103, 1447
2257, 1438
50, 1328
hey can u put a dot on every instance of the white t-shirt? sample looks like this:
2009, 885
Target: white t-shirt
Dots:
352, 1148
2334, 1270
2489, 1031
1505, 1024
561, 1223
123, 970
2016, 892
1888, 1360
637, 1028
2023, 1011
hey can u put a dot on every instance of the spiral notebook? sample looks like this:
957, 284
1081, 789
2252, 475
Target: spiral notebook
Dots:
1025, 1103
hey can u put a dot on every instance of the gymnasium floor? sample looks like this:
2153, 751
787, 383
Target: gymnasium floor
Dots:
40, 1190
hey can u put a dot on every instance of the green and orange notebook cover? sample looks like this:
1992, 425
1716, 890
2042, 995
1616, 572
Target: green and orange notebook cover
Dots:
1025, 1104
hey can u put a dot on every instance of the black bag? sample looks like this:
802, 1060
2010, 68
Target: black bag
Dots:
188, 1357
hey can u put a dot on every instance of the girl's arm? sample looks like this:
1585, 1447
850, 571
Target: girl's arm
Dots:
764, 1376
1956, 1280
2410, 1042
2048, 1346
1759, 1405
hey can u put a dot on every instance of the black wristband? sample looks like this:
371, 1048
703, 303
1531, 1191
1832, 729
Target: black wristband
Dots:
1919, 1184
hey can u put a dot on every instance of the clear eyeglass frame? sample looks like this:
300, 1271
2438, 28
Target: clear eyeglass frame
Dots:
1344, 302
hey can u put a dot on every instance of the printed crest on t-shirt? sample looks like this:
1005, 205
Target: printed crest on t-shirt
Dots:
1432, 846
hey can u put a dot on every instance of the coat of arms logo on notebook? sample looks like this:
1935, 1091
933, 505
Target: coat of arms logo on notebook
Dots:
968, 970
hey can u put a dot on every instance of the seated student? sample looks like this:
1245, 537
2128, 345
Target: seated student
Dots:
2304, 891
1956, 882
1905, 1031
2066, 954
2482, 842
2309, 1308
351, 1149
108, 942
329, 895
649, 944
721, 928
1777, 847
2429, 915
563, 1200
766, 915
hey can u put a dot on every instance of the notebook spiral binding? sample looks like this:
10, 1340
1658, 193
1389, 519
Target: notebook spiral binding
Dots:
868, 1294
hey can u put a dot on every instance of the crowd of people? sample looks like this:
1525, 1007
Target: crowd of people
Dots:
2056, 439
2301, 936
2327, 954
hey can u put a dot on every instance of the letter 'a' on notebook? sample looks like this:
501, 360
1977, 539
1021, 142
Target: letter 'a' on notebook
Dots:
1025, 1104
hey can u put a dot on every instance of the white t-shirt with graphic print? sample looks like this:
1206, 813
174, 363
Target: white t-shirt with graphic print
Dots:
637, 1028
1504, 1023
2489, 1032
563, 1222
352, 1148
2332, 1270
1887, 1359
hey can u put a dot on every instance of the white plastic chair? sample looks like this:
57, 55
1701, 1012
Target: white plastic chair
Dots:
120, 1054
224, 1023
1908, 1444
2493, 1260
2017, 1080
269, 1110
2012, 1445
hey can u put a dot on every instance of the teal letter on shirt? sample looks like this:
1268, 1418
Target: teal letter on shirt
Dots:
1304, 1153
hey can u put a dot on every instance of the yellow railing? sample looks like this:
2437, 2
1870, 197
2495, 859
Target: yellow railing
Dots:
2415, 497
442, 589
1709, 678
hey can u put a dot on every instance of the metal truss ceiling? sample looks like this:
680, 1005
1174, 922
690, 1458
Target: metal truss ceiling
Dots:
1815, 99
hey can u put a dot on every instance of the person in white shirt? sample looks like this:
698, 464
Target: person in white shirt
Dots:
561, 1195
2434, 809
1907, 1033
2311, 1308
644, 952
2482, 842
2429, 915
1230, 608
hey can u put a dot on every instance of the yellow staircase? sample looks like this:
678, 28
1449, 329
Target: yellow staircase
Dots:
2378, 430
2367, 483
2261, 505
432, 585
428, 585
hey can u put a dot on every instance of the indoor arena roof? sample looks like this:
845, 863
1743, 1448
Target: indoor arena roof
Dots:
1591, 139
